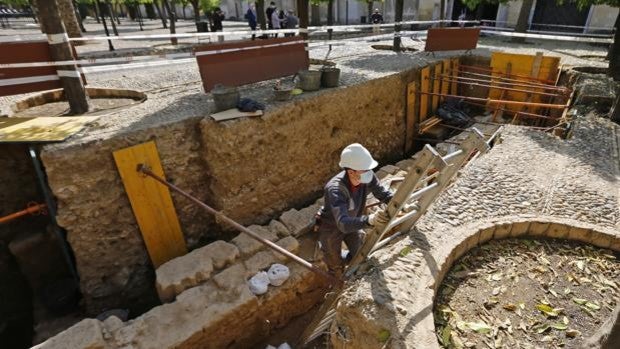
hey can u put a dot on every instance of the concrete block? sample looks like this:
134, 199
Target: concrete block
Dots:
260, 261
391, 169
296, 222
580, 234
86, 334
520, 228
248, 245
290, 244
486, 234
538, 228
181, 273
405, 164
221, 253
231, 277
278, 228
558, 231
502, 231
601, 239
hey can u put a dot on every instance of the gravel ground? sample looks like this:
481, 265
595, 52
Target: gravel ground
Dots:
175, 92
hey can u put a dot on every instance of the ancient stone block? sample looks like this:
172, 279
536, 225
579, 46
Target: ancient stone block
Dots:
580, 234
391, 169
260, 261
405, 164
538, 228
460, 249
519, 228
221, 253
278, 228
112, 323
181, 273
615, 243
558, 231
296, 222
502, 231
231, 277
486, 234
290, 244
600, 239
248, 245
472, 240
381, 174
86, 334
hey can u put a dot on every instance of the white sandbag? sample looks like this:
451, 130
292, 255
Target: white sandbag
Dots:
284, 346
278, 274
270, 347
259, 283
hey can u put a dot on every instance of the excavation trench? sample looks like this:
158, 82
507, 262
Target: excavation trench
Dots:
266, 173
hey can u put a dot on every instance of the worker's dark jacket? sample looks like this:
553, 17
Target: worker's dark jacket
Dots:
343, 208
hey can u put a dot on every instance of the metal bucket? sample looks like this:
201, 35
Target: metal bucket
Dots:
225, 97
330, 77
309, 80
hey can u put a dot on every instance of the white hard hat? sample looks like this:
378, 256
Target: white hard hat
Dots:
356, 157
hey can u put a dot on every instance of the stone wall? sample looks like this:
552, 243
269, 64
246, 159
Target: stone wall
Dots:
251, 169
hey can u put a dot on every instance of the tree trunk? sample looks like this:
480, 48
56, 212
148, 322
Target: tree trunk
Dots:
330, 12
522, 21
196, 8
614, 113
115, 13
315, 14
302, 5
70, 80
78, 16
260, 13
150, 11
172, 16
369, 11
96, 12
398, 17
67, 14
442, 12
184, 15
105, 26
109, 8
160, 13
614, 54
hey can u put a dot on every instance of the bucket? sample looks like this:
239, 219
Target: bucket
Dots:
282, 95
330, 77
309, 80
225, 97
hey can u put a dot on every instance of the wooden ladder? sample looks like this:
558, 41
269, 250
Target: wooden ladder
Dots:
418, 189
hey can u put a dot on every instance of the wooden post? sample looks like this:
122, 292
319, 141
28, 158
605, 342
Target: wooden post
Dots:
60, 50
302, 8
172, 15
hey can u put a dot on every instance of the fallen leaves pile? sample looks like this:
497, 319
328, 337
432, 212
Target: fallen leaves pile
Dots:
521, 293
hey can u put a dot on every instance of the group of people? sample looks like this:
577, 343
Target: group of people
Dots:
275, 19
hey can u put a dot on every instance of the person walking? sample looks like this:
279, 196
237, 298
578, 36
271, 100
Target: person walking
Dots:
269, 11
275, 20
291, 22
218, 17
376, 19
250, 15
341, 218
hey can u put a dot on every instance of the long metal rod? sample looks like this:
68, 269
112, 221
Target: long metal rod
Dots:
333, 280
473, 67
521, 113
520, 83
497, 101
34, 209
459, 81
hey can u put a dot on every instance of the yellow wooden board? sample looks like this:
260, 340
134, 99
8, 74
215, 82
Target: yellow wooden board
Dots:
424, 89
522, 67
412, 116
454, 74
436, 86
445, 85
151, 203
42, 129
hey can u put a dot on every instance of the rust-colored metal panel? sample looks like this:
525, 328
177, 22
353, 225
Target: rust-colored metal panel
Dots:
448, 39
31, 79
241, 62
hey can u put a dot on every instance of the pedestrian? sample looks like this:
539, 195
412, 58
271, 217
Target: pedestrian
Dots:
270, 9
341, 218
376, 19
462, 18
250, 15
275, 20
291, 22
218, 17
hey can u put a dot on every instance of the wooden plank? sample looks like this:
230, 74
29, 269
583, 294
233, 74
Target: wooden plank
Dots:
424, 88
234, 114
445, 85
42, 129
454, 74
436, 86
449, 39
151, 203
412, 116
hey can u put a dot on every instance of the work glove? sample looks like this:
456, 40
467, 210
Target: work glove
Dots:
378, 219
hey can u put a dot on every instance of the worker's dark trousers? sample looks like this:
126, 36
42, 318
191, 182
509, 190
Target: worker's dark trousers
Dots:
331, 244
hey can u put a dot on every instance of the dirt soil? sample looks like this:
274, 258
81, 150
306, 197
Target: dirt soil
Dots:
98, 106
522, 293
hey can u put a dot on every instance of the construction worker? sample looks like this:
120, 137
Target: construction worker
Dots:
342, 218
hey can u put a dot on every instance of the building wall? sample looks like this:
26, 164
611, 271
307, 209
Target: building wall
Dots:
603, 16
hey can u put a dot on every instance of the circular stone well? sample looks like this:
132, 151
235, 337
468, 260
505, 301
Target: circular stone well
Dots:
53, 103
521, 293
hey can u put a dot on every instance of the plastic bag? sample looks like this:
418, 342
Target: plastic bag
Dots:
259, 283
278, 274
